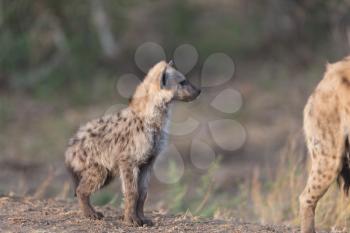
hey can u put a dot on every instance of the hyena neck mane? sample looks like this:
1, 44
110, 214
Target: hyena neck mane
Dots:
150, 101
155, 110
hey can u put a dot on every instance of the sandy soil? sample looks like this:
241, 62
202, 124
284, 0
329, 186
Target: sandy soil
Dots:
18, 214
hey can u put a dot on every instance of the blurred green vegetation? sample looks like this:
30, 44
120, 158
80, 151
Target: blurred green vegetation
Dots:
105, 197
48, 46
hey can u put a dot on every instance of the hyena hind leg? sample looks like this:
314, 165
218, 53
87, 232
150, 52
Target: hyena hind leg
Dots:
324, 171
344, 175
91, 180
75, 178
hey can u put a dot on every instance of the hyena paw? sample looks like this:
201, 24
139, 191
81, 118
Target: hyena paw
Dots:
147, 222
93, 214
133, 220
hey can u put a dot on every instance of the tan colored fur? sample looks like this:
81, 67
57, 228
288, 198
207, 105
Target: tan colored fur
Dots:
326, 127
126, 143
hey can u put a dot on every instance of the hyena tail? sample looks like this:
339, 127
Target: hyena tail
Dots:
75, 178
345, 171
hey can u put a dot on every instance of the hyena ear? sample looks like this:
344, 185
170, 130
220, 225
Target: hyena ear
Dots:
169, 77
167, 80
163, 81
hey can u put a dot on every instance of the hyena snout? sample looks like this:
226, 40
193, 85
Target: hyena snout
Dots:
181, 88
187, 92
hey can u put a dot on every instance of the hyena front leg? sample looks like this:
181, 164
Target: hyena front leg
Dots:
325, 169
143, 182
91, 181
129, 174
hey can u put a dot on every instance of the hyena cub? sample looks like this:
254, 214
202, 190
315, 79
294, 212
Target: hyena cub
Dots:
327, 129
127, 143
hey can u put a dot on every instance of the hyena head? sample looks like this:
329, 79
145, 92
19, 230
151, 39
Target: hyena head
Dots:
175, 82
162, 84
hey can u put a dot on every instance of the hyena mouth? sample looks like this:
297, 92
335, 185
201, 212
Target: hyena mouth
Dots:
187, 92
194, 95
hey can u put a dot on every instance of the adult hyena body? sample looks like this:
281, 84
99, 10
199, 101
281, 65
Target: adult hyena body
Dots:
127, 143
327, 128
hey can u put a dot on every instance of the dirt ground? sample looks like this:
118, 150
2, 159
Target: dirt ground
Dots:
18, 214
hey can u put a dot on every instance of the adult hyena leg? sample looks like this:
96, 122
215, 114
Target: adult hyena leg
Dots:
143, 182
129, 174
92, 179
325, 169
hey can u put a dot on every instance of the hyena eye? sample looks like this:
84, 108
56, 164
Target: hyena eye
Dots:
182, 83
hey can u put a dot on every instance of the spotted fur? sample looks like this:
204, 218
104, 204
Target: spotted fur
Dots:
326, 127
126, 143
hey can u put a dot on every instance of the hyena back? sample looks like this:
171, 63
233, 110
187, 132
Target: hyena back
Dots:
327, 128
127, 143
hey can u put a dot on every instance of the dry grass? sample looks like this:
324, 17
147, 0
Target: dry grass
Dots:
275, 200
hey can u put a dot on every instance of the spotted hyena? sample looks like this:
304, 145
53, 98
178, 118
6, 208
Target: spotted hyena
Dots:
327, 128
127, 143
